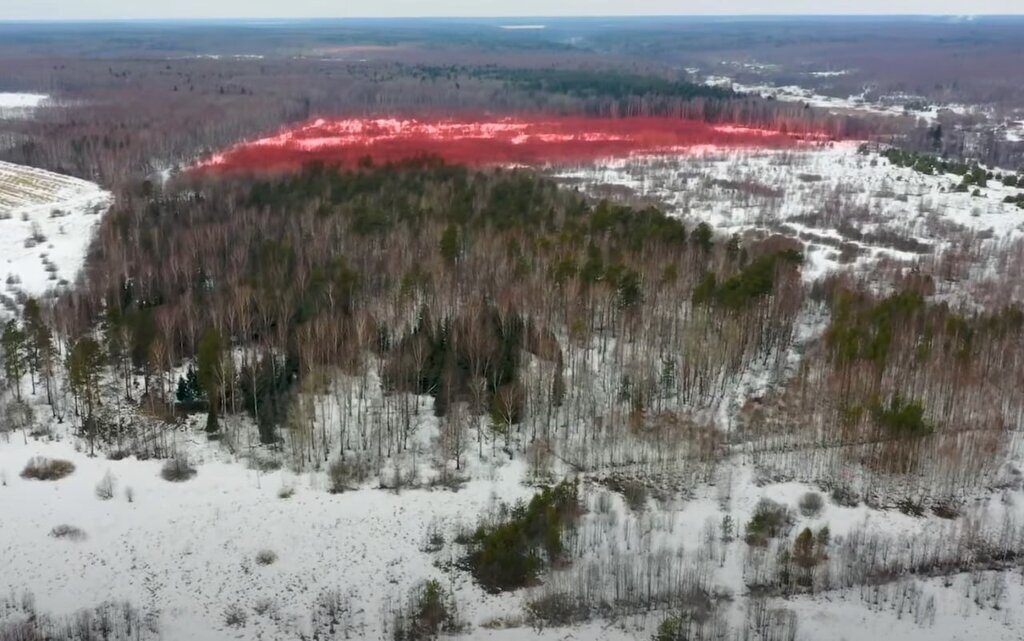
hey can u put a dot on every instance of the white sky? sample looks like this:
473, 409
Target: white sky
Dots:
132, 9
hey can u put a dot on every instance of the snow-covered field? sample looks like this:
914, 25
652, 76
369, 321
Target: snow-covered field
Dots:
188, 549
1015, 131
891, 106
184, 552
20, 105
46, 223
850, 209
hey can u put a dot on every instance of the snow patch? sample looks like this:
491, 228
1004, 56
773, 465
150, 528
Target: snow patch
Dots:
46, 223
20, 105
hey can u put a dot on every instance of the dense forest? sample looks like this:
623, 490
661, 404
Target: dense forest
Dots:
405, 271
117, 120
536, 319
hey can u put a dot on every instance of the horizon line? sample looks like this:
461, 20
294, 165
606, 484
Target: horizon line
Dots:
264, 19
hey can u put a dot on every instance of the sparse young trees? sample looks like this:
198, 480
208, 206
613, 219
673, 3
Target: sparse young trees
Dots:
85, 364
210, 374
14, 347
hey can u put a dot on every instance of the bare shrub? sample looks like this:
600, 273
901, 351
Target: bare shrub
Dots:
286, 492
69, 532
558, 609
331, 616
539, 457
429, 612
434, 540
632, 490
946, 509
177, 470
23, 620
844, 496
105, 488
910, 507
265, 463
343, 474
235, 616
41, 468
264, 605
266, 557
811, 504
18, 415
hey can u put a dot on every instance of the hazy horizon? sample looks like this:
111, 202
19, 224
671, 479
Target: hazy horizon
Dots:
103, 10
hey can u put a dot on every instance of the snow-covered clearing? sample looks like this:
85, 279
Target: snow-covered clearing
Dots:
20, 105
184, 552
897, 105
188, 549
46, 223
1015, 131
850, 209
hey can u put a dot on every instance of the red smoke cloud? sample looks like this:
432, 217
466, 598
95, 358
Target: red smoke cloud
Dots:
476, 142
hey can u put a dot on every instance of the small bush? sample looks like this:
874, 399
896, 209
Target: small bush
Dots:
69, 532
511, 553
286, 492
19, 415
343, 475
688, 622
430, 611
946, 510
809, 550
44, 469
844, 496
770, 520
910, 507
265, 463
633, 491
105, 488
672, 628
728, 529
235, 616
177, 470
263, 606
811, 504
266, 557
434, 539
558, 609
902, 418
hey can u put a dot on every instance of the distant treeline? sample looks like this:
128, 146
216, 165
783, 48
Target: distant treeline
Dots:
586, 83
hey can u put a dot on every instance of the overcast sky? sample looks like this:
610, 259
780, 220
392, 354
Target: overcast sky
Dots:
129, 9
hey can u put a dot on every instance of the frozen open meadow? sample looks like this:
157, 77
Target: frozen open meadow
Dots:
850, 209
20, 105
46, 223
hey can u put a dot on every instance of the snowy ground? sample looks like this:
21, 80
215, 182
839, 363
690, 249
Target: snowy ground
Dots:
20, 105
849, 208
1015, 131
46, 223
957, 606
186, 551
891, 106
